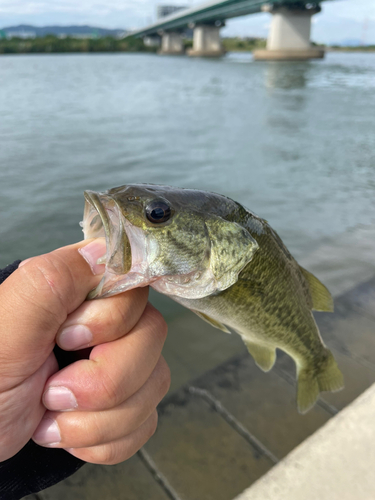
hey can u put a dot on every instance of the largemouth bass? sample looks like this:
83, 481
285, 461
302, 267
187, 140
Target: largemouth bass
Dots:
223, 262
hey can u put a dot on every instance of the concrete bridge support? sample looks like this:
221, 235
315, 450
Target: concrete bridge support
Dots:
289, 36
152, 41
172, 44
206, 41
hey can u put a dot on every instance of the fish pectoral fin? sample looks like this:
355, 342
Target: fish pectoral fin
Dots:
264, 356
211, 321
321, 298
232, 247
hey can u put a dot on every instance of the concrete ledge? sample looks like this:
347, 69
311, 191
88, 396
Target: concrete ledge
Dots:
205, 53
334, 463
287, 54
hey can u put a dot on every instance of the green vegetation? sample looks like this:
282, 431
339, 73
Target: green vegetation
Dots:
249, 44
53, 44
359, 48
188, 43
243, 44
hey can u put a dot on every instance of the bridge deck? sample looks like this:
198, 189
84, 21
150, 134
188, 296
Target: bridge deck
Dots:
214, 10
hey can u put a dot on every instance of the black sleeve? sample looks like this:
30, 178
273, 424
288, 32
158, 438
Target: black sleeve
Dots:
34, 468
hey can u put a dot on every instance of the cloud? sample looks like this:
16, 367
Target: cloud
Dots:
111, 13
93, 6
337, 17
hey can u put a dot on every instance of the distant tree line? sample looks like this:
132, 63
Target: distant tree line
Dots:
243, 44
355, 48
53, 44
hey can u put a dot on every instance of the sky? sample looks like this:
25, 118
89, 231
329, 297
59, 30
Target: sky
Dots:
339, 20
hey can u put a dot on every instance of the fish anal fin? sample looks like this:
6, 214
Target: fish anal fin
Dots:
321, 298
312, 381
211, 321
307, 391
264, 356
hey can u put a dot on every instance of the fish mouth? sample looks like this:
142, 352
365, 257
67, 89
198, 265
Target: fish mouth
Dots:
103, 218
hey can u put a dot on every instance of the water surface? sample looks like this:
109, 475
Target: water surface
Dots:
294, 142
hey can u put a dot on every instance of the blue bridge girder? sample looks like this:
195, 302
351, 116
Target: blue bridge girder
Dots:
215, 11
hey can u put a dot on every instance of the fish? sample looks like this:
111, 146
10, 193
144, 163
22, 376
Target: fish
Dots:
223, 262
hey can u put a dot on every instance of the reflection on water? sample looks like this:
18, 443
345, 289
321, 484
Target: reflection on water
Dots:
292, 141
287, 75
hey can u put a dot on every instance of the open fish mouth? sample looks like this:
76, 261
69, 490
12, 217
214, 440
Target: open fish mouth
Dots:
103, 218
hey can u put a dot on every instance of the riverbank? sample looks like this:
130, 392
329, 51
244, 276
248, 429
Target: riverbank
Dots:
368, 48
52, 44
243, 44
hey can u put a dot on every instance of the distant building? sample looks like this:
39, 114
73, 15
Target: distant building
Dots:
82, 36
167, 10
21, 34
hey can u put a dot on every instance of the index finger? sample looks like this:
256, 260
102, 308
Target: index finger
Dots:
37, 298
115, 370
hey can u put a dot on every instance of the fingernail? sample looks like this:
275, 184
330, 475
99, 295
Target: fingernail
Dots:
75, 337
59, 398
47, 433
24, 262
92, 252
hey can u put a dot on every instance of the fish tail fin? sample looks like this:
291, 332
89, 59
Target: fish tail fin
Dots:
314, 379
330, 377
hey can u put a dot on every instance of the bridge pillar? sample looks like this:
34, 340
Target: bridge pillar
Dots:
289, 36
206, 41
172, 44
152, 41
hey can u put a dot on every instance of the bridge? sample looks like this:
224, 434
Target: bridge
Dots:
288, 39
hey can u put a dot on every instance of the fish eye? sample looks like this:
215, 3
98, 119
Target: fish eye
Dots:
158, 211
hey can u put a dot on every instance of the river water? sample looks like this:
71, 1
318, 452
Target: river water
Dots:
295, 142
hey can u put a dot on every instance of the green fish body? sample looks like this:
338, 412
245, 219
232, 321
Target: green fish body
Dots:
217, 258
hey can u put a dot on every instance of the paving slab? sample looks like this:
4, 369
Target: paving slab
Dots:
264, 403
200, 454
193, 347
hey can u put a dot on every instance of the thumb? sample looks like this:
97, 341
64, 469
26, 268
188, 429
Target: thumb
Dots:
37, 298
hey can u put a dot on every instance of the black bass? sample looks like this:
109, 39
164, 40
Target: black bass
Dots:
217, 258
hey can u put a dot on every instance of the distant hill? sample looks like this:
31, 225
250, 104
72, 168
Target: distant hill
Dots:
28, 31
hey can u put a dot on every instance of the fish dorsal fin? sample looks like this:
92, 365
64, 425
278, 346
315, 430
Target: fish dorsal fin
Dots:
321, 298
211, 321
232, 247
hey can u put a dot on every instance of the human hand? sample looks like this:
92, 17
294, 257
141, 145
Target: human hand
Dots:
101, 409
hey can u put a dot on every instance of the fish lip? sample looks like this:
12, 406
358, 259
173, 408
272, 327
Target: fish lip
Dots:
127, 247
93, 201
118, 249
